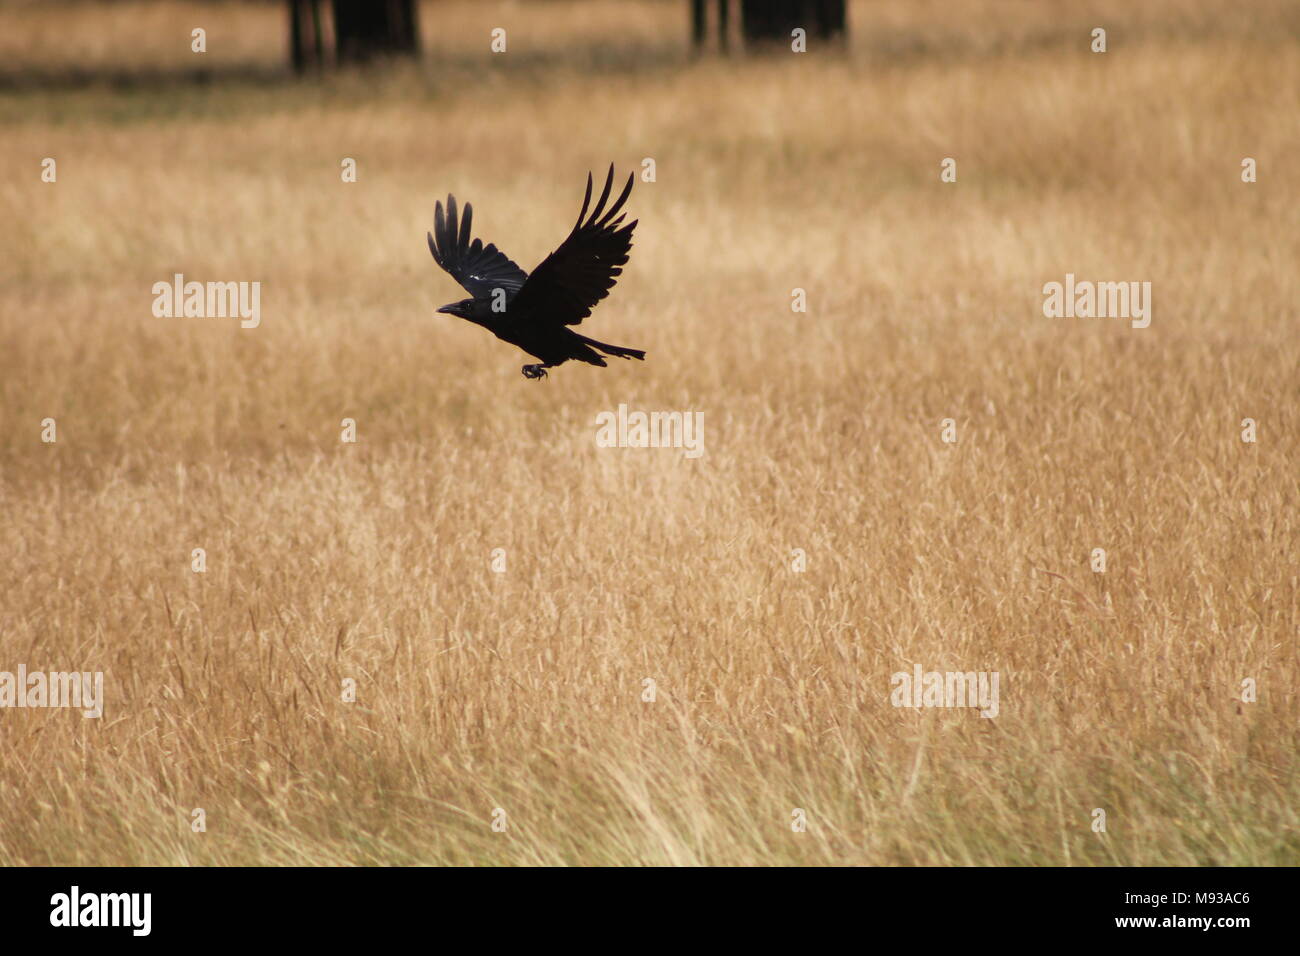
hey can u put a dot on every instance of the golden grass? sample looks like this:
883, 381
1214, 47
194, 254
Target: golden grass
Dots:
522, 690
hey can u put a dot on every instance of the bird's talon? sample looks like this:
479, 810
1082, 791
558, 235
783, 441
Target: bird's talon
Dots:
534, 371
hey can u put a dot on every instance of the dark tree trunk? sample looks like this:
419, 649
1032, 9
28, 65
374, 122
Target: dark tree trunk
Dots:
306, 34
365, 29
766, 21
832, 18
700, 23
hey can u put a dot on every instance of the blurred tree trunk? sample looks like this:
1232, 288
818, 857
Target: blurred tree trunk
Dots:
832, 18
365, 29
361, 30
700, 23
306, 35
773, 20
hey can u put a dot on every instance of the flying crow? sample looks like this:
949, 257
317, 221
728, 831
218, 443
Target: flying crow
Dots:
535, 311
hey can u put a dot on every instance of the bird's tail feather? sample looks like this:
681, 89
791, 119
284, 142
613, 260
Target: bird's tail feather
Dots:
617, 350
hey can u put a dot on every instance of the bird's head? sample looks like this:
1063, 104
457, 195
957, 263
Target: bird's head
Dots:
464, 308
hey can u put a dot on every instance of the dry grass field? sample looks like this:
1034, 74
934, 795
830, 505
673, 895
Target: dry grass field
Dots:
476, 690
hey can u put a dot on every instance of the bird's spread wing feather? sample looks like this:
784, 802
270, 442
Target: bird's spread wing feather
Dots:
577, 275
479, 268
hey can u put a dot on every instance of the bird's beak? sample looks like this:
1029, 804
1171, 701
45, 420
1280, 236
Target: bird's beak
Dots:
450, 310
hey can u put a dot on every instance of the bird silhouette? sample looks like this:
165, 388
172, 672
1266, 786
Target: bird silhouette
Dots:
535, 311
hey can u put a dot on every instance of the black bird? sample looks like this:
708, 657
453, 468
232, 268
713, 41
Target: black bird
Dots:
535, 311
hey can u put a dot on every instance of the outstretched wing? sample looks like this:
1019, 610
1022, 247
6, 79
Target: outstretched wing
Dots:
479, 268
573, 278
